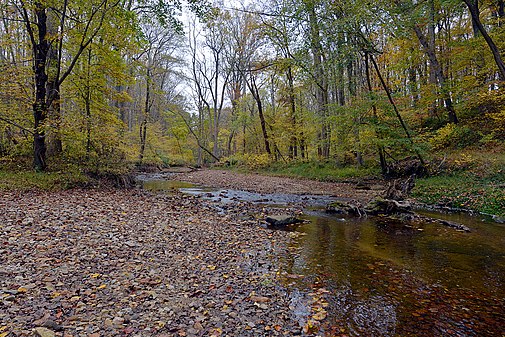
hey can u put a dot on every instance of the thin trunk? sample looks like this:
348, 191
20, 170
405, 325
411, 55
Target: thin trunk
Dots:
143, 124
321, 83
293, 147
53, 87
200, 134
380, 148
88, 107
256, 94
230, 141
435, 65
400, 119
243, 139
357, 120
215, 148
474, 11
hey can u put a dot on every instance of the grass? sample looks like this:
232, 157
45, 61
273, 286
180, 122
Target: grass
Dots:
30, 180
471, 179
319, 171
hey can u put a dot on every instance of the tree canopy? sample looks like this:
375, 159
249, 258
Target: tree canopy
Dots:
106, 82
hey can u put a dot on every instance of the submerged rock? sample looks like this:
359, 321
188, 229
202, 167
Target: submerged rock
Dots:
454, 225
282, 220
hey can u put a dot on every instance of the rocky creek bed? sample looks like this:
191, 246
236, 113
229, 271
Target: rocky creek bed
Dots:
132, 263
202, 263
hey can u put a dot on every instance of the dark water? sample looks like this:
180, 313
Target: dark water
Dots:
368, 277
386, 279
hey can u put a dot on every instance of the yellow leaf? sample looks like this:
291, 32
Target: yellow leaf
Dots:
2, 328
95, 275
102, 286
211, 267
3, 334
319, 316
22, 290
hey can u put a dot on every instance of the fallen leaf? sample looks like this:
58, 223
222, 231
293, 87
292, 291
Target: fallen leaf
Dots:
320, 315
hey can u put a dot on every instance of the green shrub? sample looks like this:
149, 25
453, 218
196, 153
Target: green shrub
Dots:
454, 136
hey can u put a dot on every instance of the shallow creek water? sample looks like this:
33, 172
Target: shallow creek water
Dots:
380, 278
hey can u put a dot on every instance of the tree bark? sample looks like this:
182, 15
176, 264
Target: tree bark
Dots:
41, 48
256, 94
321, 83
293, 146
87, 105
143, 124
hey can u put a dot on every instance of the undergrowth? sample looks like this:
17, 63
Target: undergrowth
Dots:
29, 180
463, 190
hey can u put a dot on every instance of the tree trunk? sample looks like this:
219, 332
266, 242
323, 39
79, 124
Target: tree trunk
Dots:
53, 87
395, 108
256, 94
474, 12
143, 124
87, 100
41, 48
430, 51
293, 146
382, 158
321, 85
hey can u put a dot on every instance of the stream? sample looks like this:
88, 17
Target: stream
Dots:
368, 277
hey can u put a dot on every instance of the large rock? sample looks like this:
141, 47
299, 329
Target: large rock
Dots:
380, 206
345, 207
43, 332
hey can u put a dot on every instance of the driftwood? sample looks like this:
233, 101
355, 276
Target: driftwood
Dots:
388, 210
406, 168
399, 189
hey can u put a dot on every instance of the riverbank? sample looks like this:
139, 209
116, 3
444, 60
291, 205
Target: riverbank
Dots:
131, 263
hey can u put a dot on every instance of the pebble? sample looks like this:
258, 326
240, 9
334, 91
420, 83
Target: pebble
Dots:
67, 263
43, 332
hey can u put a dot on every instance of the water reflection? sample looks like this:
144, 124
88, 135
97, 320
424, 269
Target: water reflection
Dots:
386, 278
391, 279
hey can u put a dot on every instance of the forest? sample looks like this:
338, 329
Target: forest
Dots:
252, 168
104, 85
